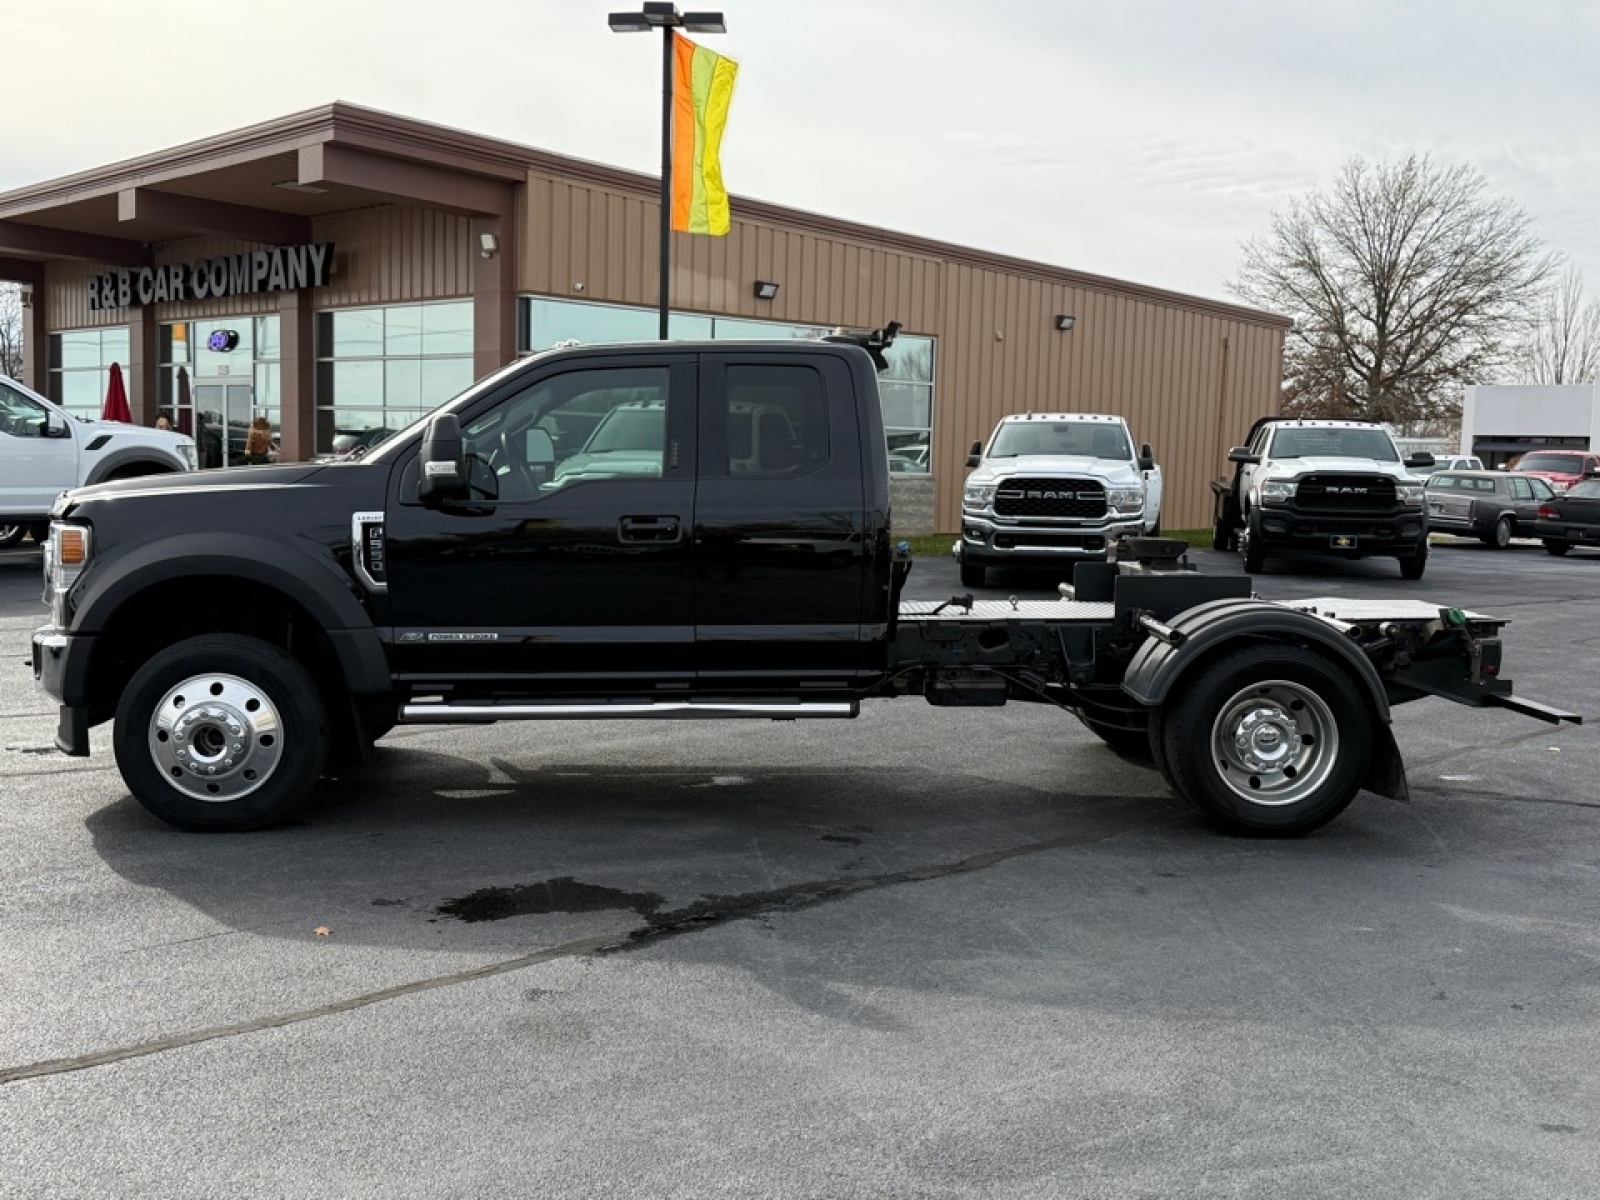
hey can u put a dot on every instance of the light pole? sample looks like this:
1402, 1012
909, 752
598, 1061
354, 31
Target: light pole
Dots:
666, 18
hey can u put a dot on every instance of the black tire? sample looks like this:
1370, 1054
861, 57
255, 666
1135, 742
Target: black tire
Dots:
1155, 530
1255, 558
1274, 782
254, 738
1157, 737
1499, 537
1221, 538
10, 535
1557, 546
1413, 567
972, 575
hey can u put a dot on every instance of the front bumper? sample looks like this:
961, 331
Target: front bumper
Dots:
1393, 535
996, 543
61, 669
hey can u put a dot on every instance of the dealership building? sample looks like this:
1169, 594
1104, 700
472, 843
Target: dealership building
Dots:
343, 270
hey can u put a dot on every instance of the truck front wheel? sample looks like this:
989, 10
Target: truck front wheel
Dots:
220, 732
1269, 739
1250, 551
1412, 568
972, 575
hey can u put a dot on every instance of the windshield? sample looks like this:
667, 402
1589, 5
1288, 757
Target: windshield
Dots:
1320, 441
1091, 439
1588, 489
629, 429
1559, 464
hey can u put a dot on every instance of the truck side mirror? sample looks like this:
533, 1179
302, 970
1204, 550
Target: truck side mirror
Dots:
1241, 454
1424, 459
443, 475
55, 425
975, 455
1147, 458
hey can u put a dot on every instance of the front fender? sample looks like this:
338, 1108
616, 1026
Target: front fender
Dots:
312, 580
132, 457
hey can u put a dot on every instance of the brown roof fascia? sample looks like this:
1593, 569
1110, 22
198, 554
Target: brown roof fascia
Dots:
440, 145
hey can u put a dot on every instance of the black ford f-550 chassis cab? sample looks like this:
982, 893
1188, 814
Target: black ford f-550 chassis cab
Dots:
672, 530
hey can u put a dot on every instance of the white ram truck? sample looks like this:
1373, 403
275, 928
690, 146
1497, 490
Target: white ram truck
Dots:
44, 450
1054, 489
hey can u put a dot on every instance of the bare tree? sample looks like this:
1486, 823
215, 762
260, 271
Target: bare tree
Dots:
1405, 283
10, 330
1564, 344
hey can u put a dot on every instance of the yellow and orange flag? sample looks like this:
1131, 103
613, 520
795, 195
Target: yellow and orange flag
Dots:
702, 88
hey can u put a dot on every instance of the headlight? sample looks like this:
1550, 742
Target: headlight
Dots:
978, 495
1124, 499
1409, 494
65, 557
1277, 491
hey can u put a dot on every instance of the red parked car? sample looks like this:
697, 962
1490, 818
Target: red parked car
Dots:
1562, 468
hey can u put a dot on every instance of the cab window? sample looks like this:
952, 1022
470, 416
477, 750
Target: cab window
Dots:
777, 421
577, 427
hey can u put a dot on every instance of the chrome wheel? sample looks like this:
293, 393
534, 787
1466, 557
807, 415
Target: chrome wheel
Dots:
216, 737
1274, 742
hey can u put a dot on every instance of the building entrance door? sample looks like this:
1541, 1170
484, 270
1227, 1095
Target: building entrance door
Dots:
221, 420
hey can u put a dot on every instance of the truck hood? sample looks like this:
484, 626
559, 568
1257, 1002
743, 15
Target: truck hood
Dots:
117, 433
1288, 468
232, 481
1112, 470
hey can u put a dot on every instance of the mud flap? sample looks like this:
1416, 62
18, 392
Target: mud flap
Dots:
1387, 774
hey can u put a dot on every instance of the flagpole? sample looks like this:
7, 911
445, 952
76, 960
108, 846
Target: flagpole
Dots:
666, 177
664, 15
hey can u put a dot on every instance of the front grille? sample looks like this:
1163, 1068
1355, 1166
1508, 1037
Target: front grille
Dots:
1075, 499
1345, 493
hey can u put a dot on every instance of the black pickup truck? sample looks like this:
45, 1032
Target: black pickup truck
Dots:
673, 530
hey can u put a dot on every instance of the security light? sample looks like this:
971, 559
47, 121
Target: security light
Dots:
765, 290
1065, 322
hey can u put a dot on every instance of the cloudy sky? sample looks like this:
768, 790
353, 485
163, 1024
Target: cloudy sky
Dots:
1141, 139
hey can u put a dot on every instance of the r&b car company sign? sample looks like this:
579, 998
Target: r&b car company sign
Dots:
281, 269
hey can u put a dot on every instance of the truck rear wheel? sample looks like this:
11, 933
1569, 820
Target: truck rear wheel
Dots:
1557, 546
220, 732
1269, 740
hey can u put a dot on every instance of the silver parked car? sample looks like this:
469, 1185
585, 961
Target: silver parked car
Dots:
1493, 506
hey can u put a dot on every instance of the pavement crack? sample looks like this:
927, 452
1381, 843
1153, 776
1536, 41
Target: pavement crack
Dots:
706, 913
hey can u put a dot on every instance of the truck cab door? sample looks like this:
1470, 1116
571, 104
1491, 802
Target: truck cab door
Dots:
780, 546
566, 569
38, 453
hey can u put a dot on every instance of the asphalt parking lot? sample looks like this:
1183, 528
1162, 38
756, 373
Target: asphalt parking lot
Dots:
928, 952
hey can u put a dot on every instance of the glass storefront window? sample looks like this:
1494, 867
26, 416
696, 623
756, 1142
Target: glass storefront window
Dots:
906, 387
382, 368
80, 367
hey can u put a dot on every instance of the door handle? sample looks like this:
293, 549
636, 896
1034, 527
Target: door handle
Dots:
650, 529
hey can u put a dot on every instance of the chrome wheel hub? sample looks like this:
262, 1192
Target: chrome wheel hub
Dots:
1274, 742
216, 737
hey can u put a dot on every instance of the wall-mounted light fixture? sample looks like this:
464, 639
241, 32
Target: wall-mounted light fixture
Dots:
766, 290
488, 244
1065, 322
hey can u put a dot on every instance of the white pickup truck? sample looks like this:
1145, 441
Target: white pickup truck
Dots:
44, 450
1053, 489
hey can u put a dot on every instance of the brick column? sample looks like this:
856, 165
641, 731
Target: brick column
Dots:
36, 343
494, 296
141, 371
298, 375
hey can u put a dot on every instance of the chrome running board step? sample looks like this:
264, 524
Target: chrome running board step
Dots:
777, 710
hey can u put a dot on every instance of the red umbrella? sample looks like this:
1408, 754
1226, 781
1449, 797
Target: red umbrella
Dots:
116, 405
